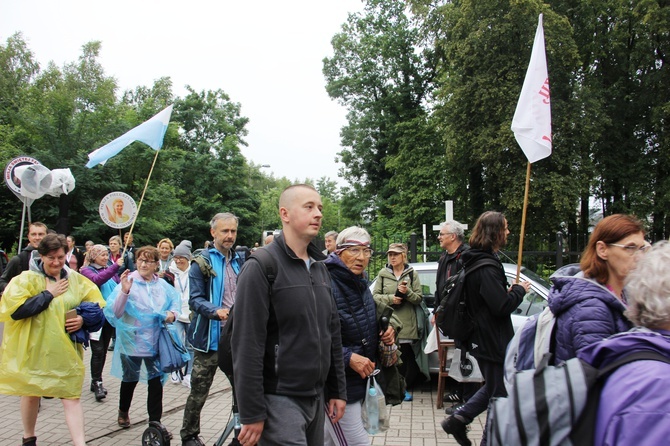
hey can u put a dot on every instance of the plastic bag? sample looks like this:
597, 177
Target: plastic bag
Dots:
374, 411
464, 368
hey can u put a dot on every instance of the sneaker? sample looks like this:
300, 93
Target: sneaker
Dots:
111, 346
30, 441
458, 429
408, 396
99, 391
453, 397
453, 408
175, 378
192, 441
186, 381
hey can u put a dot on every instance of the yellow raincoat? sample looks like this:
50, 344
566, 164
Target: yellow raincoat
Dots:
37, 357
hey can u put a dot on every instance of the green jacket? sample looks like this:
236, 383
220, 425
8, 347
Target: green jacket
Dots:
384, 291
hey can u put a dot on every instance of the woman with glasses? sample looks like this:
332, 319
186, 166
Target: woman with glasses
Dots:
635, 402
590, 306
359, 329
398, 286
137, 308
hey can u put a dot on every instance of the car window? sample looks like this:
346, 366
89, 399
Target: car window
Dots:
427, 279
532, 303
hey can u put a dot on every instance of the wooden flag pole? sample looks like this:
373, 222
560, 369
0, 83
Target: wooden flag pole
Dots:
139, 206
523, 224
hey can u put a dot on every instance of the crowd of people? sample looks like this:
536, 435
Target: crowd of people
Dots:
310, 331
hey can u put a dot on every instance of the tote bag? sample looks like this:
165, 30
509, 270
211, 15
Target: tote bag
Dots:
171, 352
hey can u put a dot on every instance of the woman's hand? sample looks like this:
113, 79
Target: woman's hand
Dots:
361, 365
170, 317
126, 282
74, 324
397, 300
120, 261
402, 287
58, 287
388, 337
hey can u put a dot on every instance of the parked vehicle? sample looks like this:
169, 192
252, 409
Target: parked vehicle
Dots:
533, 302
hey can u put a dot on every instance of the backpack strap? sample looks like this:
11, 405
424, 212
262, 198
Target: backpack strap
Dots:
268, 265
648, 355
205, 265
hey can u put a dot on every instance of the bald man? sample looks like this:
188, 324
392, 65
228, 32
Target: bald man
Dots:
287, 348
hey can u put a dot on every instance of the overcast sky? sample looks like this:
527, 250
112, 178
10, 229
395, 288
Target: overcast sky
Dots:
265, 54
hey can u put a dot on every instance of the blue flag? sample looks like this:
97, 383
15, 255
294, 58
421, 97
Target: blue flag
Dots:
150, 132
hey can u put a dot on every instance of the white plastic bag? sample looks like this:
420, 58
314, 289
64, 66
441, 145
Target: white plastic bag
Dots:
374, 411
464, 368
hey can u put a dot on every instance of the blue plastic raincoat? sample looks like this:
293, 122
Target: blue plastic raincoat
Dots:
138, 321
37, 356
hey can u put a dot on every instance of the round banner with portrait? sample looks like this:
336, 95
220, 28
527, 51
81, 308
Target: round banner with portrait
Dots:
11, 178
117, 210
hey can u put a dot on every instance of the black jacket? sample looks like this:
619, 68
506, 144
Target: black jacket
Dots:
491, 306
288, 343
18, 264
358, 321
447, 266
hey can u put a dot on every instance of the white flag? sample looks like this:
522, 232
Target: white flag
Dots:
532, 119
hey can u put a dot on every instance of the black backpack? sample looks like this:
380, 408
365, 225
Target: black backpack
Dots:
451, 315
225, 352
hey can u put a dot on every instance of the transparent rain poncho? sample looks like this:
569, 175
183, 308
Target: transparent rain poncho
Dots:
138, 322
37, 356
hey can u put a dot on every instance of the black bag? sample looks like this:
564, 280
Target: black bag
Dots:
225, 352
452, 316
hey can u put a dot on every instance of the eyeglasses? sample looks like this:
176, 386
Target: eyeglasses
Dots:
442, 234
632, 249
146, 262
366, 252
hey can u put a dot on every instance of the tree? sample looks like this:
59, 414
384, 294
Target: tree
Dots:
486, 48
381, 73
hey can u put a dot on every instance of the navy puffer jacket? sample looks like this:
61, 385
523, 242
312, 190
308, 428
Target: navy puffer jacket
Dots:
358, 321
586, 312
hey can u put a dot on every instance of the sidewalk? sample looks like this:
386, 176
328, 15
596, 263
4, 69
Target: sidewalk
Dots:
412, 424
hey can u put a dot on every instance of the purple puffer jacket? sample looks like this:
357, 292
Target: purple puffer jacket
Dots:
635, 402
586, 312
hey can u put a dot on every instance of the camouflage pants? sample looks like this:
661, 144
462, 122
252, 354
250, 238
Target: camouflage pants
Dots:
205, 366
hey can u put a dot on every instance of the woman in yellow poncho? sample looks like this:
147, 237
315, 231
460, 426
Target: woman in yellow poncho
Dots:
37, 357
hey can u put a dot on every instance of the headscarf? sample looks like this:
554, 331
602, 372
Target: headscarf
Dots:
95, 251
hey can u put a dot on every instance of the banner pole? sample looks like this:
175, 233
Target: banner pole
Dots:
523, 223
139, 206
23, 220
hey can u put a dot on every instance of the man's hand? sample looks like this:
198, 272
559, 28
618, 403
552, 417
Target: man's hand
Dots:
170, 317
223, 313
525, 285
58, 287
336, 409
361, 365
251, 433
74, 324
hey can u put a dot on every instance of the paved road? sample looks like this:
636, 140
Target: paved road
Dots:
412, 424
